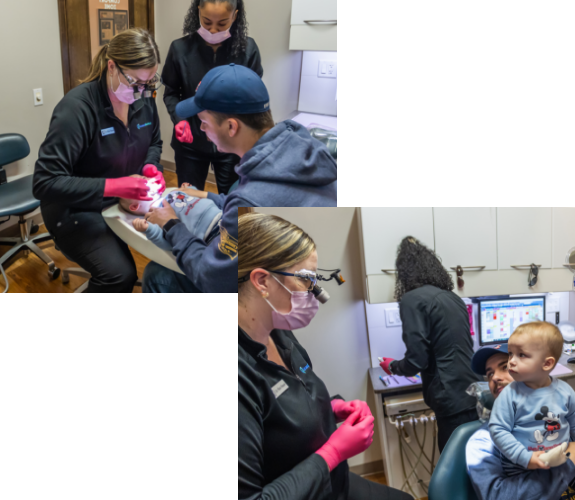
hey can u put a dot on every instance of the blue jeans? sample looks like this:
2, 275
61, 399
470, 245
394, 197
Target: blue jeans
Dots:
158, 279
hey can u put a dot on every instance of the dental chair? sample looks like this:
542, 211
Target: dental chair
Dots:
450, 479
16, 199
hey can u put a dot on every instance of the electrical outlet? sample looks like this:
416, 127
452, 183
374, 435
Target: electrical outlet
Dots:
38, 97
327, 69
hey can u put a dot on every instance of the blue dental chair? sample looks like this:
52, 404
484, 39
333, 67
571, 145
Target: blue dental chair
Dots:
450, 479
16, 199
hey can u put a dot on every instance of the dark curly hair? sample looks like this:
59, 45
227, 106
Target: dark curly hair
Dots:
239, 29
417, 265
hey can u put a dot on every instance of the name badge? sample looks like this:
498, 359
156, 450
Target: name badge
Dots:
107, 131
279, 388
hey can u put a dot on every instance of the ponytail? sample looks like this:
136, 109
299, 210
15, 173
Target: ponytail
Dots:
134, 49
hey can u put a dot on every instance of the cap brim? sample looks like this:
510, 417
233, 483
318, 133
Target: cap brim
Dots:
480, 358
188, 108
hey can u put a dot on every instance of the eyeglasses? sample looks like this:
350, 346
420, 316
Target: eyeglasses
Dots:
302, 275
153, 83
533, 272
459, 272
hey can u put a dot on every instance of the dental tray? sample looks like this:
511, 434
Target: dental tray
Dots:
121, 223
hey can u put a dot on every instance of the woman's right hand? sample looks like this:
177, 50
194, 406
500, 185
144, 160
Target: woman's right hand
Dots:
132, 188
183, 132
353, 436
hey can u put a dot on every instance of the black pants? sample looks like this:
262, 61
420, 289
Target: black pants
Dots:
85, 238
193, 166
362, 489
446, 425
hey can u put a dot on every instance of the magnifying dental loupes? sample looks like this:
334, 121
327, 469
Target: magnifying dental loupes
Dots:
320, 294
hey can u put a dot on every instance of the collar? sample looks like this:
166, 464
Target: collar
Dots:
257, 350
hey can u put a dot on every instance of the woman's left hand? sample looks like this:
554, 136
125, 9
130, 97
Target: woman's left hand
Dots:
151, 172
161, 215
343, 409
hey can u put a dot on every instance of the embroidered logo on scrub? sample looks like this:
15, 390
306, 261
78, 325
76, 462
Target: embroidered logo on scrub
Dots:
304, 369
142, 125
228, 244
107, 131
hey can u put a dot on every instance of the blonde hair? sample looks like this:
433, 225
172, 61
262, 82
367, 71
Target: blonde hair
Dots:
133, 49
269, 242
548, 332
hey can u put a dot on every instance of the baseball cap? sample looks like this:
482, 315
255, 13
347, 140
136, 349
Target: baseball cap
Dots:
230, 89
481, 356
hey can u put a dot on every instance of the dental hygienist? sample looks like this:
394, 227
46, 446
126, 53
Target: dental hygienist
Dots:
216, 34
101, 133
289, 446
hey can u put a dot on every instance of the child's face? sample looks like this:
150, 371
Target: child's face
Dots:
528, 358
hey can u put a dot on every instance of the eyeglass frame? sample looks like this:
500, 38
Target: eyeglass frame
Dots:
533, 272
141, 86
307, 275
459, 273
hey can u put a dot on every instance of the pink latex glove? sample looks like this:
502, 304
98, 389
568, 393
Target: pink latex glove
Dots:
183, 132
385, 365
152, 172
131, 188
352, 437
343, 409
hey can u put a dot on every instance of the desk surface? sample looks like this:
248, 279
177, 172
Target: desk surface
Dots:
402, 384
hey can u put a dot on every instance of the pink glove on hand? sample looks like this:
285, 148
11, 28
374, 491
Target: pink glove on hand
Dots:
183, 132
343, 409
352, 437
152, 172
385, 365
131, 188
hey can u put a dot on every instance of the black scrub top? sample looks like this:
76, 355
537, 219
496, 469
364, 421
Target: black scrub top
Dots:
188, 61
439, 345
87, 144
284, 417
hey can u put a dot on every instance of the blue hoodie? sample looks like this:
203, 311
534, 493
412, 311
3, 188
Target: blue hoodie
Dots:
285, 168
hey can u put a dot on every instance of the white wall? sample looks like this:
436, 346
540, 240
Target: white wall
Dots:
317, 94
269, 25
337, 340
30, 59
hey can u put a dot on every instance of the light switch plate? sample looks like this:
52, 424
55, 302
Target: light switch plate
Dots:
327, 69
392, 318
38, 97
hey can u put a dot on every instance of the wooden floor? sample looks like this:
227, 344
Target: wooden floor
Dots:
29, 274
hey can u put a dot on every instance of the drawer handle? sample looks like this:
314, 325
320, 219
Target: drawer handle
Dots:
528, 266
479, 268
388, 271
332, 21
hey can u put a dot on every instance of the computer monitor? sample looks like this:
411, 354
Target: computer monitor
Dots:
498, 318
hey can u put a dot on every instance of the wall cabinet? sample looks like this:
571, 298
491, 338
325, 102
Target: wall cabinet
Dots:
497, 238
466, 237
384, 228
313, 25
563, 235
524, 237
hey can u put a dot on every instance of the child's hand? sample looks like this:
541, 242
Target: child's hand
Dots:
185, 185
140, 225
535, 462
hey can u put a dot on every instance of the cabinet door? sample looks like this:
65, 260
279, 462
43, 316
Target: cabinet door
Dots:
384, 228
563, 234
524, 237
466, 236
313, 10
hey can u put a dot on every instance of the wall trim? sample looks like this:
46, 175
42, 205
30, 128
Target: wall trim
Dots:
368, 468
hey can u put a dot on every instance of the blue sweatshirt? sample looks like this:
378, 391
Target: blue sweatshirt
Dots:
285, 168
491, 483
524, 420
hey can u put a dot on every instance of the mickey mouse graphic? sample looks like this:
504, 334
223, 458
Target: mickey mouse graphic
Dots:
550, 423
179, 199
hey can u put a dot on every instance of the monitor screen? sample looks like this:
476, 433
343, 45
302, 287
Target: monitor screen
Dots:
499, 318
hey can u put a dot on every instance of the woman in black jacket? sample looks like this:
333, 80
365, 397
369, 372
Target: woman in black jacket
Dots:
216, 34
437, 337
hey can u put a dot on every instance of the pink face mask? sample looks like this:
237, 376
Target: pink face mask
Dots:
123, 93
214, 38
304, 307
